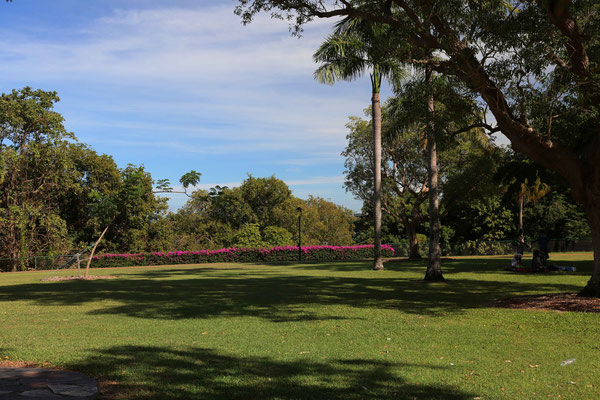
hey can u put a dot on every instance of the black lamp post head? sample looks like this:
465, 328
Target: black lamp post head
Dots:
299, 209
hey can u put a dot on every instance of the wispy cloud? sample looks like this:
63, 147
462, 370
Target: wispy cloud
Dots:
191, 80
167, 44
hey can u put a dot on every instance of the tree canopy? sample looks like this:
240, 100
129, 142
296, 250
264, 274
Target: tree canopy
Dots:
534, 64
261, 212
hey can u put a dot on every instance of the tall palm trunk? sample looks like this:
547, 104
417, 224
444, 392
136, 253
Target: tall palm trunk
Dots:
520, 201
376, 114
434, 264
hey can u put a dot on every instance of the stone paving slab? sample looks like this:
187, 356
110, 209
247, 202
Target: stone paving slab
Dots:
45, 384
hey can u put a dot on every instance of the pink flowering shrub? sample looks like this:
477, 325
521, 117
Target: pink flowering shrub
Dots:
275, 254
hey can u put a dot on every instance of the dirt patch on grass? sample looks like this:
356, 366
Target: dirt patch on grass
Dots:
556, 301
72, 278
20, 364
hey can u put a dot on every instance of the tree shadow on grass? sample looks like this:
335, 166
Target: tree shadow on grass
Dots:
491, 265
449, 266
418, 266
274, 297
334, 265
142, 372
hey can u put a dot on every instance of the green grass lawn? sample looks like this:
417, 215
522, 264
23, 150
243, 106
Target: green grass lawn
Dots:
310, 331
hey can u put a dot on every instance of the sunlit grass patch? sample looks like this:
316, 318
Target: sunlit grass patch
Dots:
308, 331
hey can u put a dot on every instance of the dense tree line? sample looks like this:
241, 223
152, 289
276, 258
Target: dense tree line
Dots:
261, 212
57, 195
532, 65
480, 191
483, 187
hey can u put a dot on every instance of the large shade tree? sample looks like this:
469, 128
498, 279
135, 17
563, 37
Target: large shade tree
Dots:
533, 63
353, 48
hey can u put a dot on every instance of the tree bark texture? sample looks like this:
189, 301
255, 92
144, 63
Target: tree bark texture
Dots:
87, 267
592, 289
414, 252
521, 201
13, 247
434, 263
376, 111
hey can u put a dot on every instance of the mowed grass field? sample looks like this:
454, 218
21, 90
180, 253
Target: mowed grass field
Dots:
308, 331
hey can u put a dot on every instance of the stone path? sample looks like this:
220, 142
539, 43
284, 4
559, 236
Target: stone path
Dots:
45, 384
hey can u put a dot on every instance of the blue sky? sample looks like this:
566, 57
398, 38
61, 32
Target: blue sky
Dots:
182, 85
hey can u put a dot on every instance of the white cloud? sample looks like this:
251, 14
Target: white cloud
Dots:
223, 71
174, 45
319, 180
193, 81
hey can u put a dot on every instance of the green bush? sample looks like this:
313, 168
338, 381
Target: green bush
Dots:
277, 236
249, 236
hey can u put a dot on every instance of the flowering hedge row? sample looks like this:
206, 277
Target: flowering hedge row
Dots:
275, 254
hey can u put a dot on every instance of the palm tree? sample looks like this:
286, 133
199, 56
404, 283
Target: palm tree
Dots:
516, 176
353, 48
531, 192
434, 261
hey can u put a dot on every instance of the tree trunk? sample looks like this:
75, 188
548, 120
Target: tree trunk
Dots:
87, 267
521, 200
434, 263
13, 248
376, 110
413, 244
592, 289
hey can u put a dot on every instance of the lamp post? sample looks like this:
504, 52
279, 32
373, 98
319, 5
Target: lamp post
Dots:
299, 209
